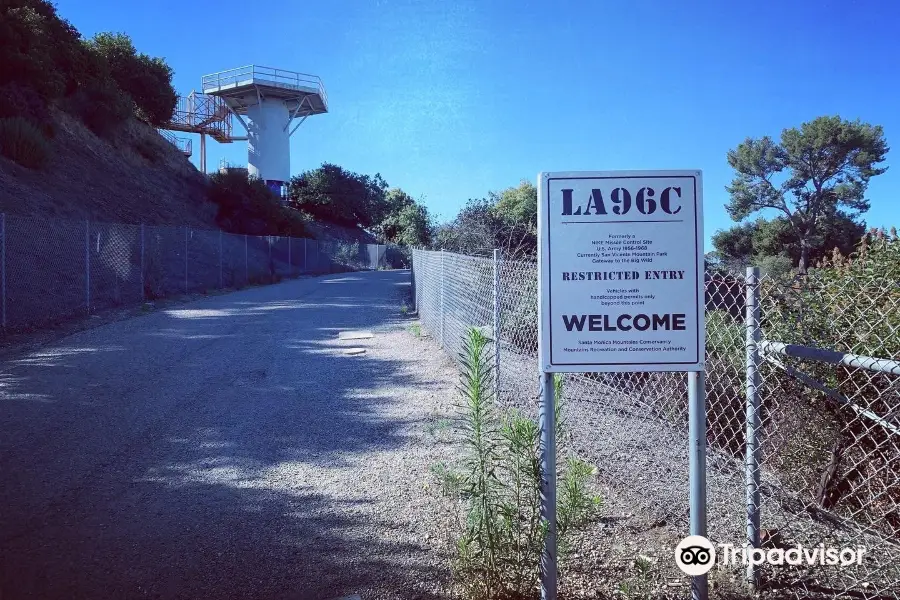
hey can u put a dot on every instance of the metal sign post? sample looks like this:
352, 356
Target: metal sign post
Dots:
621, 290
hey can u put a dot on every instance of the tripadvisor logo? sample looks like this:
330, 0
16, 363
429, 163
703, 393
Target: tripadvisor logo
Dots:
696, 555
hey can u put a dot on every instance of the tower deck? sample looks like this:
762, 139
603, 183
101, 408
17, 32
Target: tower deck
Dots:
240, 88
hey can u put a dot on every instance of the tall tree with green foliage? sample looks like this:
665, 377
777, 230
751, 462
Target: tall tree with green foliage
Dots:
759, 241
815, 173
518, 205
334, 194
408, 223
505, 220
38, 48
147, 80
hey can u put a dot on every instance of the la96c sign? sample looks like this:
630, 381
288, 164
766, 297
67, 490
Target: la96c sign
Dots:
621, 271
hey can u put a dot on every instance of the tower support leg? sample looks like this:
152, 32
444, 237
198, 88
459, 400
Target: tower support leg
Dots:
203, 153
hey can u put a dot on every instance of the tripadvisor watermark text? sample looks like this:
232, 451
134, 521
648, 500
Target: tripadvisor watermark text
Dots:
696, 555
792, 555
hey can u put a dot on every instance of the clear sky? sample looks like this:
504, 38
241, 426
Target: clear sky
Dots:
449, 99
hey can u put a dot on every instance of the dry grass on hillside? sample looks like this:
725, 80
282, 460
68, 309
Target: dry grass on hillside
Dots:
331, 231
136, 177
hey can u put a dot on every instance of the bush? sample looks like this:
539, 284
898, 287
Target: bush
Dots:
519, 315
397, 257
725, 391
37, 47
333, 194
18, 100
100, 105
347, 254
102, 82
247, 206
499, 544
850, 305
147, 80
778, 266
23, 143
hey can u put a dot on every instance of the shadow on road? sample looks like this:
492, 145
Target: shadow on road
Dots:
204, 452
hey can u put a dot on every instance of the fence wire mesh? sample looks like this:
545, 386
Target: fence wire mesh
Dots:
811, 446
55, 270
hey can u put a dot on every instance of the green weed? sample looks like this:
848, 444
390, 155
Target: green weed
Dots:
500, 539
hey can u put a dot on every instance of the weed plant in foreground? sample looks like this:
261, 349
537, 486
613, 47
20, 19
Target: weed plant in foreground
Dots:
500, 535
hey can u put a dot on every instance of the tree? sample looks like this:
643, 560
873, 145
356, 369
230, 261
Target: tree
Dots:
147, 80
765, 240
407, 223
246, 205
415, 226
817, 172
518, 205
473, 231
38, 48
331, 193
505, 220
734, 247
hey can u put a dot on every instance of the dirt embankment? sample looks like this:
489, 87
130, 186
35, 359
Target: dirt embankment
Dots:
134, 177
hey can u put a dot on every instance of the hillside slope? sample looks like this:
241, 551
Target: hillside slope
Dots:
135, 177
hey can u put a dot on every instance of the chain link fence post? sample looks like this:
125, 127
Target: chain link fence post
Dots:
415, 282
3, 235
143, 288
221, 260
548, 485
246, 262
697, 433
87, 264
186, 230
442, 297
752, 451
497, 324
290, 262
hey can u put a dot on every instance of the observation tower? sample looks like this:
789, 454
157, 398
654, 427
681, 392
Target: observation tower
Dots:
276, 102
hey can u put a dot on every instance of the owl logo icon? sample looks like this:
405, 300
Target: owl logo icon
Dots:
695, 555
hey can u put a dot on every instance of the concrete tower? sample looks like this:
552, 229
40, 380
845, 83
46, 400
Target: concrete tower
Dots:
272, 99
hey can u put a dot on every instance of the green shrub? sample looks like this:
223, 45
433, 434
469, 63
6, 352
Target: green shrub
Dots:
333, 194
842, 303
347, 254
37, 47
779, 266
100, 105
147, 80
246, 205
102, 81
18, 100
23, 143
850, 305
725, 340
519, 319
500, 540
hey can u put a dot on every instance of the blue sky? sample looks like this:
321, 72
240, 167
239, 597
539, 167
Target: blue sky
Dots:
450, 99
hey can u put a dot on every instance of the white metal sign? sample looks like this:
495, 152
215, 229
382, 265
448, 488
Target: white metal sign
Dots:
621, 271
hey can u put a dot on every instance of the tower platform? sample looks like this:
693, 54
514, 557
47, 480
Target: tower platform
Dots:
303, 95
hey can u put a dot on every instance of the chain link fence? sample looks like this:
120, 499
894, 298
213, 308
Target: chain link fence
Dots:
803, 412
54, 270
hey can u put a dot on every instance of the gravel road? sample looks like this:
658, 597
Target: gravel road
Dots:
228, 448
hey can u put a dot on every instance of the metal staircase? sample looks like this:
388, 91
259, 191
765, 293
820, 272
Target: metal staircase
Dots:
204, 115
184, 145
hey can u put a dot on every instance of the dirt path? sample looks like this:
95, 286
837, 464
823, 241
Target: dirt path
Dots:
228, 448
